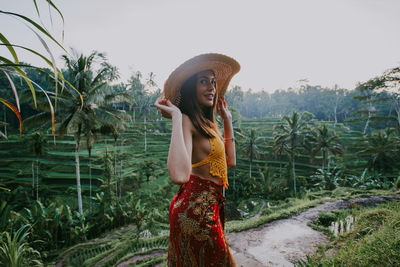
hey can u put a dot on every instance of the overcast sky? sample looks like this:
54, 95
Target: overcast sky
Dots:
277, 43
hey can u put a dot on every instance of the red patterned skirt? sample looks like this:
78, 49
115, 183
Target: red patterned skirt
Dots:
196, 232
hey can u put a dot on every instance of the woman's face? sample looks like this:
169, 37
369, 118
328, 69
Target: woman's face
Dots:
205, 88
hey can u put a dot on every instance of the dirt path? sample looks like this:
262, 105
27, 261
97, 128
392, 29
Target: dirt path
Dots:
284, 242
261, 209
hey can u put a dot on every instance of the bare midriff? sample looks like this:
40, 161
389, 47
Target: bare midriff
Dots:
203, 172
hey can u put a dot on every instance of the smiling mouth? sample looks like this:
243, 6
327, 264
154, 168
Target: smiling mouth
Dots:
210, 97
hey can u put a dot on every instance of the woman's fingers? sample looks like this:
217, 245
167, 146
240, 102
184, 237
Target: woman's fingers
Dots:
166, 108
161, 105
221, 105
168, 103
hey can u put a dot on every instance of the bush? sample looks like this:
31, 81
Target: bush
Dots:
231, 213
326, 218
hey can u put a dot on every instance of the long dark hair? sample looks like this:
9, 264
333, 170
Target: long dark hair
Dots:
203, 118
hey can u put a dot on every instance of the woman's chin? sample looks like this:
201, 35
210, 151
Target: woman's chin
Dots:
207, 104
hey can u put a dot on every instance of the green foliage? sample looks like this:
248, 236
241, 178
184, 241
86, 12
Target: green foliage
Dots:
36, 143
143, 176
327, 179
368, 181
381, 150
11, 66
325, 103
127, 248
149, 169
5, 216
248, 145
15, 250
371, 221
375, 240
326, 218
288, 138
292, 207
324, 141
231, 211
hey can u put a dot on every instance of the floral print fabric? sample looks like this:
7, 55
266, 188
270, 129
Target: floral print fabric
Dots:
196, 228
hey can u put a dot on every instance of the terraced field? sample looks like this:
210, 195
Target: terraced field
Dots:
57, 166
130, 151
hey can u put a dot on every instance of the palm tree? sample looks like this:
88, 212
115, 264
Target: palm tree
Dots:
381, 150
145, 106
114, 131
278, 148
137, 90
36, 144
91, 137
142, 99
249, 146
323, 140
96, 110
288, 135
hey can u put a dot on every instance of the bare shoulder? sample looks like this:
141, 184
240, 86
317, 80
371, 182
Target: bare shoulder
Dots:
187, 123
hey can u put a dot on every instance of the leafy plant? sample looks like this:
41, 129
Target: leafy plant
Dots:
328, 179
5, 216
368, 181
11, 66
15, 250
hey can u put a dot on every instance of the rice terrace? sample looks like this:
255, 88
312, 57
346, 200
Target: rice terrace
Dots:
83, 150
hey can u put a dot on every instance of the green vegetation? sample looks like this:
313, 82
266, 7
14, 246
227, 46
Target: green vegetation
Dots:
373, 241
293, 206
109, 202
15, 250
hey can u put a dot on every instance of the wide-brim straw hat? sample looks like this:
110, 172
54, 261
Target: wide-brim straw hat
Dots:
224, 69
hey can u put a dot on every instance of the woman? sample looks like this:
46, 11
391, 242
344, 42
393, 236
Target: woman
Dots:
198, 158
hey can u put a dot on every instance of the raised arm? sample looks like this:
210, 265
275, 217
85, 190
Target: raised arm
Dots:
180, 148
226, 116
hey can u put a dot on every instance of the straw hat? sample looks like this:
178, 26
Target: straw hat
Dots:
224, 68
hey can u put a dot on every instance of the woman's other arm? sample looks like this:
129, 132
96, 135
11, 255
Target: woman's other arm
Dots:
226, 116
180, 148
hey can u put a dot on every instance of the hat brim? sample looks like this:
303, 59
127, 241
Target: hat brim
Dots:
224, 69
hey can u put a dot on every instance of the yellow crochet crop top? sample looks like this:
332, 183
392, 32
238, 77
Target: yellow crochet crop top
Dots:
217, 160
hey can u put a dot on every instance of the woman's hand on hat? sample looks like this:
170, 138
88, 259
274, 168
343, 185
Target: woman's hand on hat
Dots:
167, 109
222, 110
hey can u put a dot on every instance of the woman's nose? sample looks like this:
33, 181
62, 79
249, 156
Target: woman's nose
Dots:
211, 85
